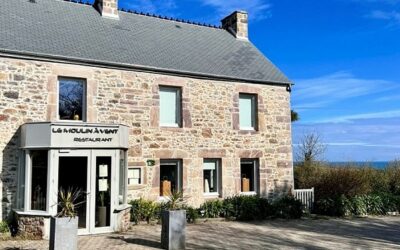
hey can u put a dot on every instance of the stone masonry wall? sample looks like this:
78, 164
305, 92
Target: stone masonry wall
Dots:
31, 227
28, 92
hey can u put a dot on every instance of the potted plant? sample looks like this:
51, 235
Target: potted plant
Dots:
173, 223
64, 226
102, 211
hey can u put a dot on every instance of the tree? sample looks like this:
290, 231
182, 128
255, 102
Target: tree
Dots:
310, 148
294, 115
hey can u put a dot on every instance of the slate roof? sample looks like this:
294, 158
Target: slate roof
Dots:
77, 32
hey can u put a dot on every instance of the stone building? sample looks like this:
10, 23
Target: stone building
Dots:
125, 105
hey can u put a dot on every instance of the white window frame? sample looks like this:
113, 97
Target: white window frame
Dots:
219, 176
123, 177
256, 181
179, 164
84, 98
28, 182
140, 176
178, 103
254, 111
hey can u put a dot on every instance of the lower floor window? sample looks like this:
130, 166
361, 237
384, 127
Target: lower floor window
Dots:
170, 177
134, 176
38, 189
211, 176
249, 175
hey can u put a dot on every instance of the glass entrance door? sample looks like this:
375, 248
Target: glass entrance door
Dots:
94, 173
104, 186
73, 174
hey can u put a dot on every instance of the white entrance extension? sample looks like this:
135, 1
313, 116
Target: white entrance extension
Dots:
88, 157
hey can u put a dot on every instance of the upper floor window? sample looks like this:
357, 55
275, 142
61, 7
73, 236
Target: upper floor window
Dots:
248, 111
170, 107
71, 99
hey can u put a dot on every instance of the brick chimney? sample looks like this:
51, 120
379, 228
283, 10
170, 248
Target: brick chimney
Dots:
107, 8
237, 24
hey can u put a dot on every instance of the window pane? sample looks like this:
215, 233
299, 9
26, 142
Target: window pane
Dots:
21, 181
246, 111
122, 178
247, 173
170, 177
71, 99
103, 191
134, 176
210, 175
39, 180
169, 106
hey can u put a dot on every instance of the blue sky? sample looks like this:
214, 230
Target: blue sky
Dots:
343, 56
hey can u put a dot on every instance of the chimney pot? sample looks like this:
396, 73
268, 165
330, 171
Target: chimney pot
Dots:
237, 24
107, 8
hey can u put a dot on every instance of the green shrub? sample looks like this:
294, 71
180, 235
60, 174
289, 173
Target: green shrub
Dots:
192, 214
4, 227
391, 203
247, 208
143, 210
359, 205
351, 189
212, 209
288, 207
393, 176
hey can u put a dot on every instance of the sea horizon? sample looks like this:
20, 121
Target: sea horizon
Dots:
374, 164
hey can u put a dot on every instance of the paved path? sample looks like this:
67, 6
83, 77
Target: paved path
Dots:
371, 233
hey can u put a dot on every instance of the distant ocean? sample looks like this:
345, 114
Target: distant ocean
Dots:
375, 164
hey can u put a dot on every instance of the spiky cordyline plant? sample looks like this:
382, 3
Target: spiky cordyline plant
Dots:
67, 201
175, 200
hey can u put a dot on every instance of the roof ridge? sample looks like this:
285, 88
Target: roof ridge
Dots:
135, 12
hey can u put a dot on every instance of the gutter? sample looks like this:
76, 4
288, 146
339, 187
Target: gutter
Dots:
124, 66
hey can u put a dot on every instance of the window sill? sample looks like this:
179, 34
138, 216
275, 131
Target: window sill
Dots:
169, 125
248, 193
163, 199
122, 207
248, 132
72, 121
172, 129
33, 213
211, 195
136, 187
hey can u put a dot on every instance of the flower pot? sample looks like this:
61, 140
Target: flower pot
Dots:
102, 216
64, 233
173, 229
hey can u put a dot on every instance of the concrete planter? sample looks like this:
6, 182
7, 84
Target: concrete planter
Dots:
173, 230
64, 233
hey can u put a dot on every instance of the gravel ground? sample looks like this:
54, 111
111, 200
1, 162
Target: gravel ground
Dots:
366, 233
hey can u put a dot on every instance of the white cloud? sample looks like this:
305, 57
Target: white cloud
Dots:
320, 91
388, 98
392, 16
257, 9
363, 139
350, 118
361, 144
